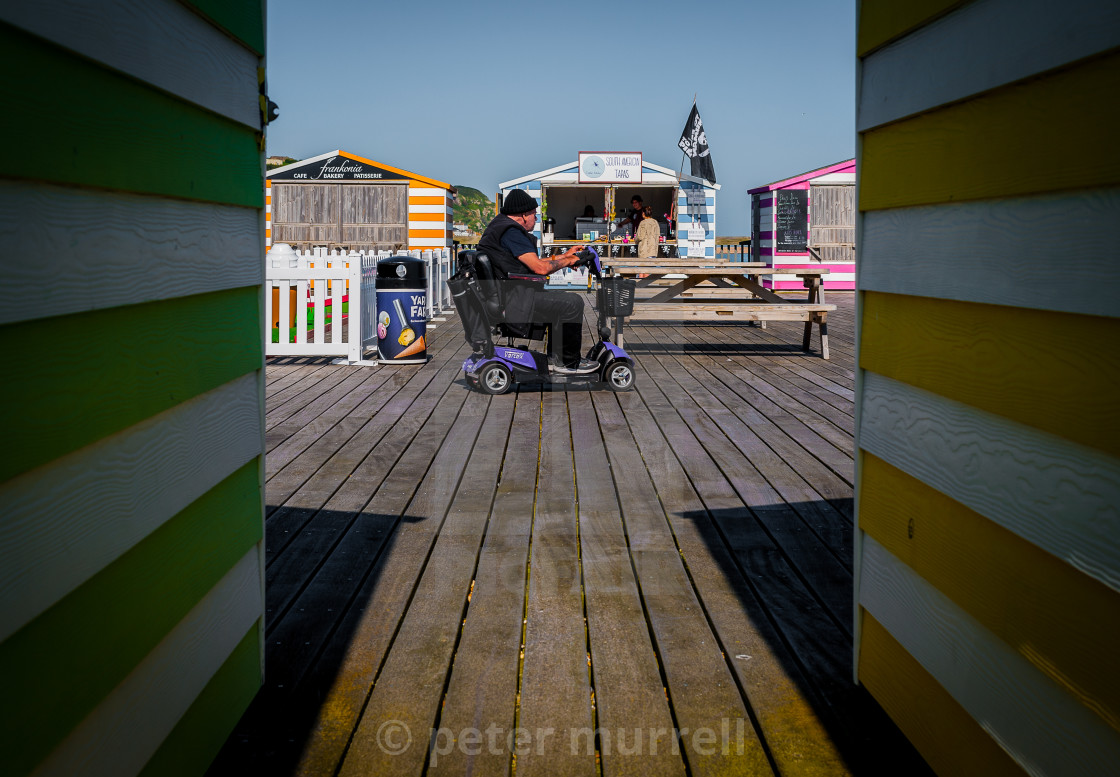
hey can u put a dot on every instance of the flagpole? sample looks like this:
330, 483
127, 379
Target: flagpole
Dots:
683, 155
673, 210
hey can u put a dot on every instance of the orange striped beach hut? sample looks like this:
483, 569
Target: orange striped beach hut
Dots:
339, 200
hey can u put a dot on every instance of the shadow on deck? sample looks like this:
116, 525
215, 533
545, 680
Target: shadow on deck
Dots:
566, 582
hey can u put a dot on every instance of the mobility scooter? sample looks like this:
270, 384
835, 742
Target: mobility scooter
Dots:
477, 290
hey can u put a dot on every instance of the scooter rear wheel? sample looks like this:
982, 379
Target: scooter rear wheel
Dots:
619, 375
495, 379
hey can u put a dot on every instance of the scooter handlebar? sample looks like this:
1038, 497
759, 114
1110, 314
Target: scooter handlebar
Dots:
589, 258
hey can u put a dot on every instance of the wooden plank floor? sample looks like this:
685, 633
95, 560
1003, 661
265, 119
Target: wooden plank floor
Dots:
566, 582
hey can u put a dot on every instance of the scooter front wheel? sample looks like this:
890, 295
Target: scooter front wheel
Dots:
619, 375
495, 379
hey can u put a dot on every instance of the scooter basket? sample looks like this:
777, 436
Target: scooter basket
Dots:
616, 296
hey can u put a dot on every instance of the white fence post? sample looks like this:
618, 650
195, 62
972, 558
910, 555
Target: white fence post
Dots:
426, 255
369, 299
299, 315
355, 329
444, 290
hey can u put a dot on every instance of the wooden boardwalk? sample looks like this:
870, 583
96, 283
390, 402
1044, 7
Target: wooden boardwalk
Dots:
566, 582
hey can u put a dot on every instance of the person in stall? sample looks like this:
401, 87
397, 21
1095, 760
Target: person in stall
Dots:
635, 217
648, 235
509, 242
582, 221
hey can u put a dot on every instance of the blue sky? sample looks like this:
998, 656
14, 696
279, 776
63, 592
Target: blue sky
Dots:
479, 92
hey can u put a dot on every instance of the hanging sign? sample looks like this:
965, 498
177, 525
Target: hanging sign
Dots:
610, 167
696, 196
335, 168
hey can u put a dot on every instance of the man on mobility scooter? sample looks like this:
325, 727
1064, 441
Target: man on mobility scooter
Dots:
484, 295
512, 249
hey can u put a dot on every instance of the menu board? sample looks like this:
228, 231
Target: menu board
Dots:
792, 220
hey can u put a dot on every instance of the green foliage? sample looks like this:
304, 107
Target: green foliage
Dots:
473, 208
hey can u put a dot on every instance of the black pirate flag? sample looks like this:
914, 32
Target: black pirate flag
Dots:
694, 144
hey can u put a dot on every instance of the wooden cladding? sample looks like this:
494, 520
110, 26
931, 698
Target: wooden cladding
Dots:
371, 216
832, 219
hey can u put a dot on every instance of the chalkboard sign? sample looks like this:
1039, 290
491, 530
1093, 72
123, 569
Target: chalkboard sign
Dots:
792, 228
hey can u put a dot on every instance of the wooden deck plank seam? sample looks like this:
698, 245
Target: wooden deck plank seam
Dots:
583, 591
525, 596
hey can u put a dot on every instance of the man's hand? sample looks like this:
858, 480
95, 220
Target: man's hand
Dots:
552, 264
572, 254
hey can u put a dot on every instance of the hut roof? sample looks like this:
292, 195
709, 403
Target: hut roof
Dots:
571, 167
837, 167
399, 171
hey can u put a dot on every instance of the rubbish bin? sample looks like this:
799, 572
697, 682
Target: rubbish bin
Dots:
402, 306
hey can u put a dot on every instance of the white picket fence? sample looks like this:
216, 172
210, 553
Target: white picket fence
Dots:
352, 276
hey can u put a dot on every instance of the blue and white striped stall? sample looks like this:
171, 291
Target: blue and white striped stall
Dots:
684, 206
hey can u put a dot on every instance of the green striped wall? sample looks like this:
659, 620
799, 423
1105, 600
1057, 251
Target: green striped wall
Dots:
132, 472
987, 596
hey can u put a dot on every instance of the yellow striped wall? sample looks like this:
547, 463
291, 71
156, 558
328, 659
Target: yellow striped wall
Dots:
987, 601
131, 496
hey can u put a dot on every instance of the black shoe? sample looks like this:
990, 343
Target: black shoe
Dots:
585, 367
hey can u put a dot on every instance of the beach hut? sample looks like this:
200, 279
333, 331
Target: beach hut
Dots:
987, 552
605, 182
807, 221
339, 200
132, 472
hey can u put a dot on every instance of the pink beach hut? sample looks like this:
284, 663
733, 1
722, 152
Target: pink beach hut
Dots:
807, 221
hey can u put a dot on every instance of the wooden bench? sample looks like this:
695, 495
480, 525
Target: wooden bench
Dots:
732, 292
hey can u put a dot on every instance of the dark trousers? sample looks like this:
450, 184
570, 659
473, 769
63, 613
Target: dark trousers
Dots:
562, 312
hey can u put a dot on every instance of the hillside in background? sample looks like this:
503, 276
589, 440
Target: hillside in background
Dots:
473, 208
279, 161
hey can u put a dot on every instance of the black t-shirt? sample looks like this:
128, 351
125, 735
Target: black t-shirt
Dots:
517, 243
634, 219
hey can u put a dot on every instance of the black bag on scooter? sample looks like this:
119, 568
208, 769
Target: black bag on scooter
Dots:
469, 304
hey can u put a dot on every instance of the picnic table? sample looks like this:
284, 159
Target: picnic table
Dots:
731, 291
